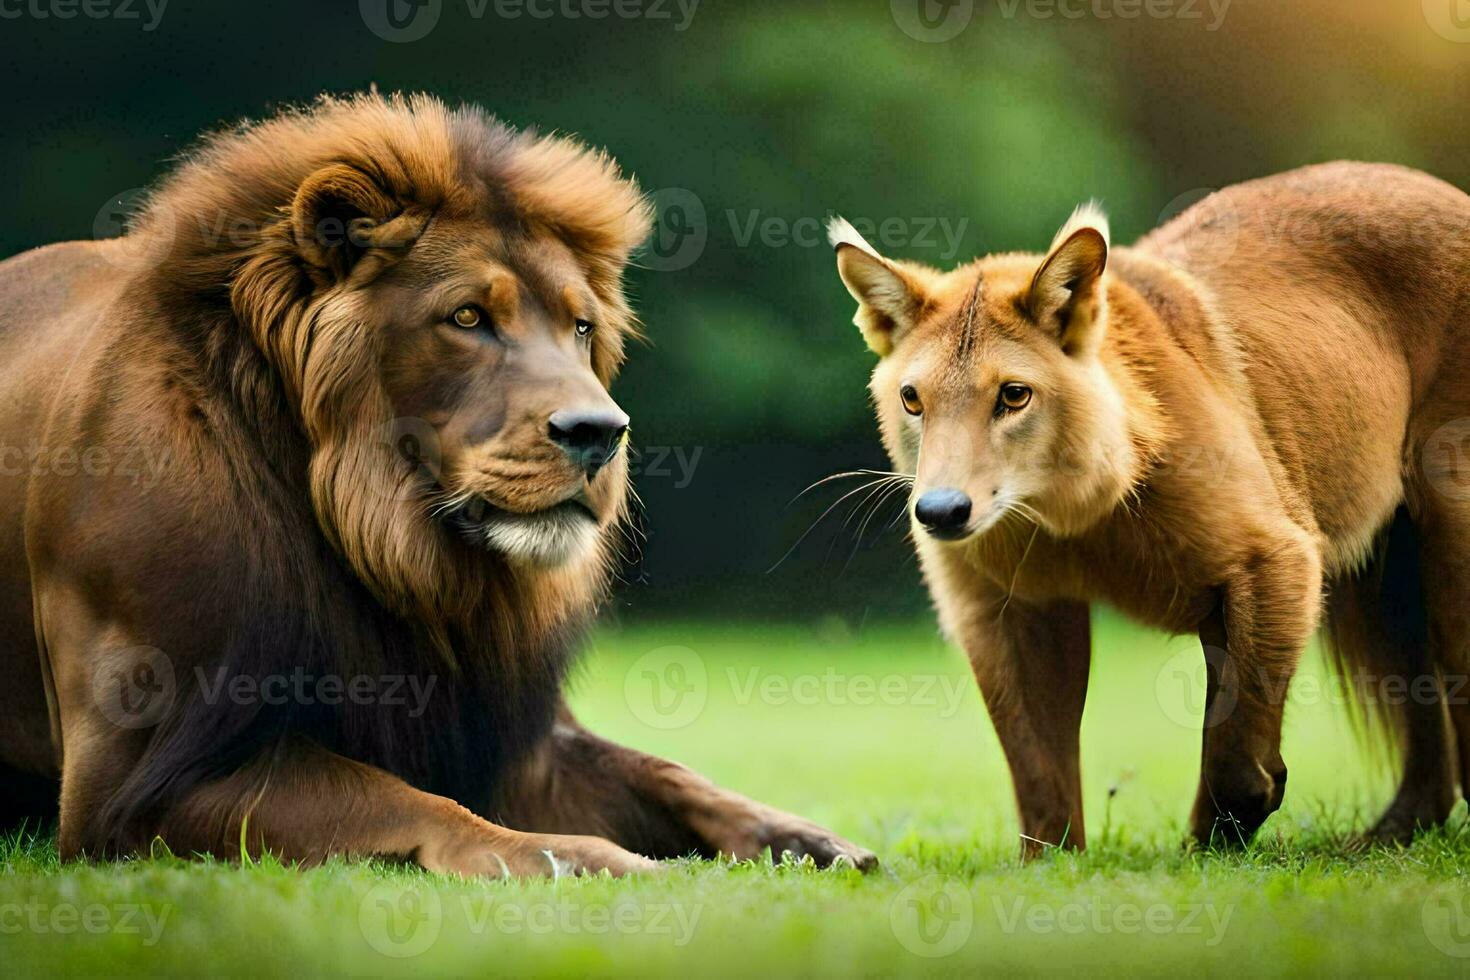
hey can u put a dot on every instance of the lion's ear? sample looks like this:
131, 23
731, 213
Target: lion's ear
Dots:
340, 214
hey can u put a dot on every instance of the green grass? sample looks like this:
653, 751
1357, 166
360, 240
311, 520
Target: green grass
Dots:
881, 736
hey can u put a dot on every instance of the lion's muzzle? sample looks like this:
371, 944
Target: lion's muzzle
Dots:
590, 437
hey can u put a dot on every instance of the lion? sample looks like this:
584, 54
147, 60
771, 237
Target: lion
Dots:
1255, 414
329, 424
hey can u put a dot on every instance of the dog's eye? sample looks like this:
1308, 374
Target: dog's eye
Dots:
911, 403
1014, 397
468, 317
585, 328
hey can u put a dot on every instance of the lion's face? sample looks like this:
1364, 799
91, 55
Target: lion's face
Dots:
489, 355
446, 314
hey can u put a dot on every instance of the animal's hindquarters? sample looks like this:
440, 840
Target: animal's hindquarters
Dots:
1379, 639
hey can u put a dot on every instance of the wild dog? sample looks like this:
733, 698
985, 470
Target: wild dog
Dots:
1244, 427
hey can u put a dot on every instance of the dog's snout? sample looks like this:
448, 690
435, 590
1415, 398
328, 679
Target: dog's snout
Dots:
590, 437
944, 512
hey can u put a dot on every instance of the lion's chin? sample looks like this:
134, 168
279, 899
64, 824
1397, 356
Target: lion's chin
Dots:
545, 539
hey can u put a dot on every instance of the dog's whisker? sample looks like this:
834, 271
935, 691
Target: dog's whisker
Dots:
883, 498
878, 486
813, 526
847, 475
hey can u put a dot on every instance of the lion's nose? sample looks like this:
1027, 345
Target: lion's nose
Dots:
591, 438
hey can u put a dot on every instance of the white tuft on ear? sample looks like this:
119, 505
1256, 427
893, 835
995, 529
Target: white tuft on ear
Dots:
1088, 215
1067, 296
889, 294
841, 232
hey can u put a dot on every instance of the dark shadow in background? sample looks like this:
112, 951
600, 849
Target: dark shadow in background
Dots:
752, 122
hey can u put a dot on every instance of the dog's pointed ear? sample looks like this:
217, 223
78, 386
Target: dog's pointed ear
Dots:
890, 295
1067, 295
340, 215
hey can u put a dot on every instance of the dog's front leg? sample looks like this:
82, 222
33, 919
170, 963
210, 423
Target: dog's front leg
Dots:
1252, 642
578, 783
1032, 664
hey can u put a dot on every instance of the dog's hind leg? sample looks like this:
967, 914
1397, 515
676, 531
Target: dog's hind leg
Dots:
1378, 631
1445, 546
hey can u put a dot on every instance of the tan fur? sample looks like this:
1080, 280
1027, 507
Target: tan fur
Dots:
1225, 416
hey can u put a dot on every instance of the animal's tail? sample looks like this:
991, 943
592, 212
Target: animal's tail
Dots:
1377, 634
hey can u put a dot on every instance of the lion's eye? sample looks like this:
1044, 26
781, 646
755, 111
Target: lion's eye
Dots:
1014, 397
911, 403
585, 328
468, 317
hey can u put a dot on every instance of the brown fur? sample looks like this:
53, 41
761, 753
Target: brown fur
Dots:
1224, 417
347, 483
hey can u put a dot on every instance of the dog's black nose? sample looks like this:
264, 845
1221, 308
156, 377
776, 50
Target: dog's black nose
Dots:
591, 438
943, 512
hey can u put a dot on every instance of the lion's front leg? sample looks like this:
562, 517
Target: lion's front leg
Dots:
579, 783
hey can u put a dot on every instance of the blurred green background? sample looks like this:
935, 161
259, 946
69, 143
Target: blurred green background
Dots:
955, 128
